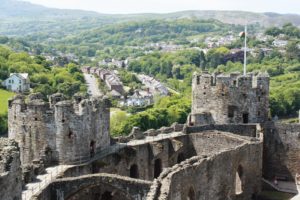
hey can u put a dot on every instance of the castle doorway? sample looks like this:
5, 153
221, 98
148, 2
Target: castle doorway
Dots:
245, 118
157, 168
191, 195
92, 148
238, 180
134, 173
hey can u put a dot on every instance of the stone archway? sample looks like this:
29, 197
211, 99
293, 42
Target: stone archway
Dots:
239, 180
99, 192
191, 194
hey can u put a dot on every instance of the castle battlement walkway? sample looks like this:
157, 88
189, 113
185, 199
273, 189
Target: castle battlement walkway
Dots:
52, 173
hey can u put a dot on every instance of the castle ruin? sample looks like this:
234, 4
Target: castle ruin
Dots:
224, 151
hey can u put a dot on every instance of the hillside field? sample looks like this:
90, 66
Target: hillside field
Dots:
4, 96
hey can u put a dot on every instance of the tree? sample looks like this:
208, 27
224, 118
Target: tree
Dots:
293, 51
273, 31
215, 57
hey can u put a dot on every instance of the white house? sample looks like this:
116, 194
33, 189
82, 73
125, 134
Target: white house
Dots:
17, 82
139, 98
280, 43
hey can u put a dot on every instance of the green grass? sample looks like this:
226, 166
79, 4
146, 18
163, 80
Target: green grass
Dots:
4, 96
290, 120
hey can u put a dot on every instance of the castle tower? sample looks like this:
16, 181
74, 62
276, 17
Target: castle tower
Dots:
233, 98
59, 130
82, 129
27, 125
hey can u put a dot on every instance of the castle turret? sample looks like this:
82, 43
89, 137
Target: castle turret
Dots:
58, 130
232, 98
82, 128
27, 125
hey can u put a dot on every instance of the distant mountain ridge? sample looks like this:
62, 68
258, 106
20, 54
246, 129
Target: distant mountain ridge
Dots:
13, 13
17, 8
241, 17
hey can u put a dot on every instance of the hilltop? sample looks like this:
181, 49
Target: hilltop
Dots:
19, 18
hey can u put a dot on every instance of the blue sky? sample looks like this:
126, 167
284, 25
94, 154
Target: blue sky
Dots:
163, 6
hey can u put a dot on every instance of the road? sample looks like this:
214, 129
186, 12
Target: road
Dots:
92, 84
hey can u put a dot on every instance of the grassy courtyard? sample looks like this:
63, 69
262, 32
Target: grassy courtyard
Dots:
4, 96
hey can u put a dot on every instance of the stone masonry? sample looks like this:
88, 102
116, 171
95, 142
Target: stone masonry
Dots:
10, 170
59, 131
233, 98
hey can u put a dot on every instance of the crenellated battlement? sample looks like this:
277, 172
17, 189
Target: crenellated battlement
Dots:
35, 102
230, 98
231, 80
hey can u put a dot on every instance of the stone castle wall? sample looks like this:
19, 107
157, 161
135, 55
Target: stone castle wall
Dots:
223, 99
58, 131
174, 150
281, 151
10, 170
213, 176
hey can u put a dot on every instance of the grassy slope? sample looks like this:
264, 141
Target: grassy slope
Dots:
4, 96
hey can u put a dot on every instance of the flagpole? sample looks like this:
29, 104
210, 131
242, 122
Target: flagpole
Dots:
245, 52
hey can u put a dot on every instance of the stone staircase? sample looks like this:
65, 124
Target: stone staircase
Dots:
42, 181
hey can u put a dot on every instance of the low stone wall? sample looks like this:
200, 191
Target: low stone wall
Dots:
96, 185
10, 170
211, 142
169, 150
249, 130
281, 151
213, 177
136, 133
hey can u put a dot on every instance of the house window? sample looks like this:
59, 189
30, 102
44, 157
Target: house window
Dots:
20, 81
